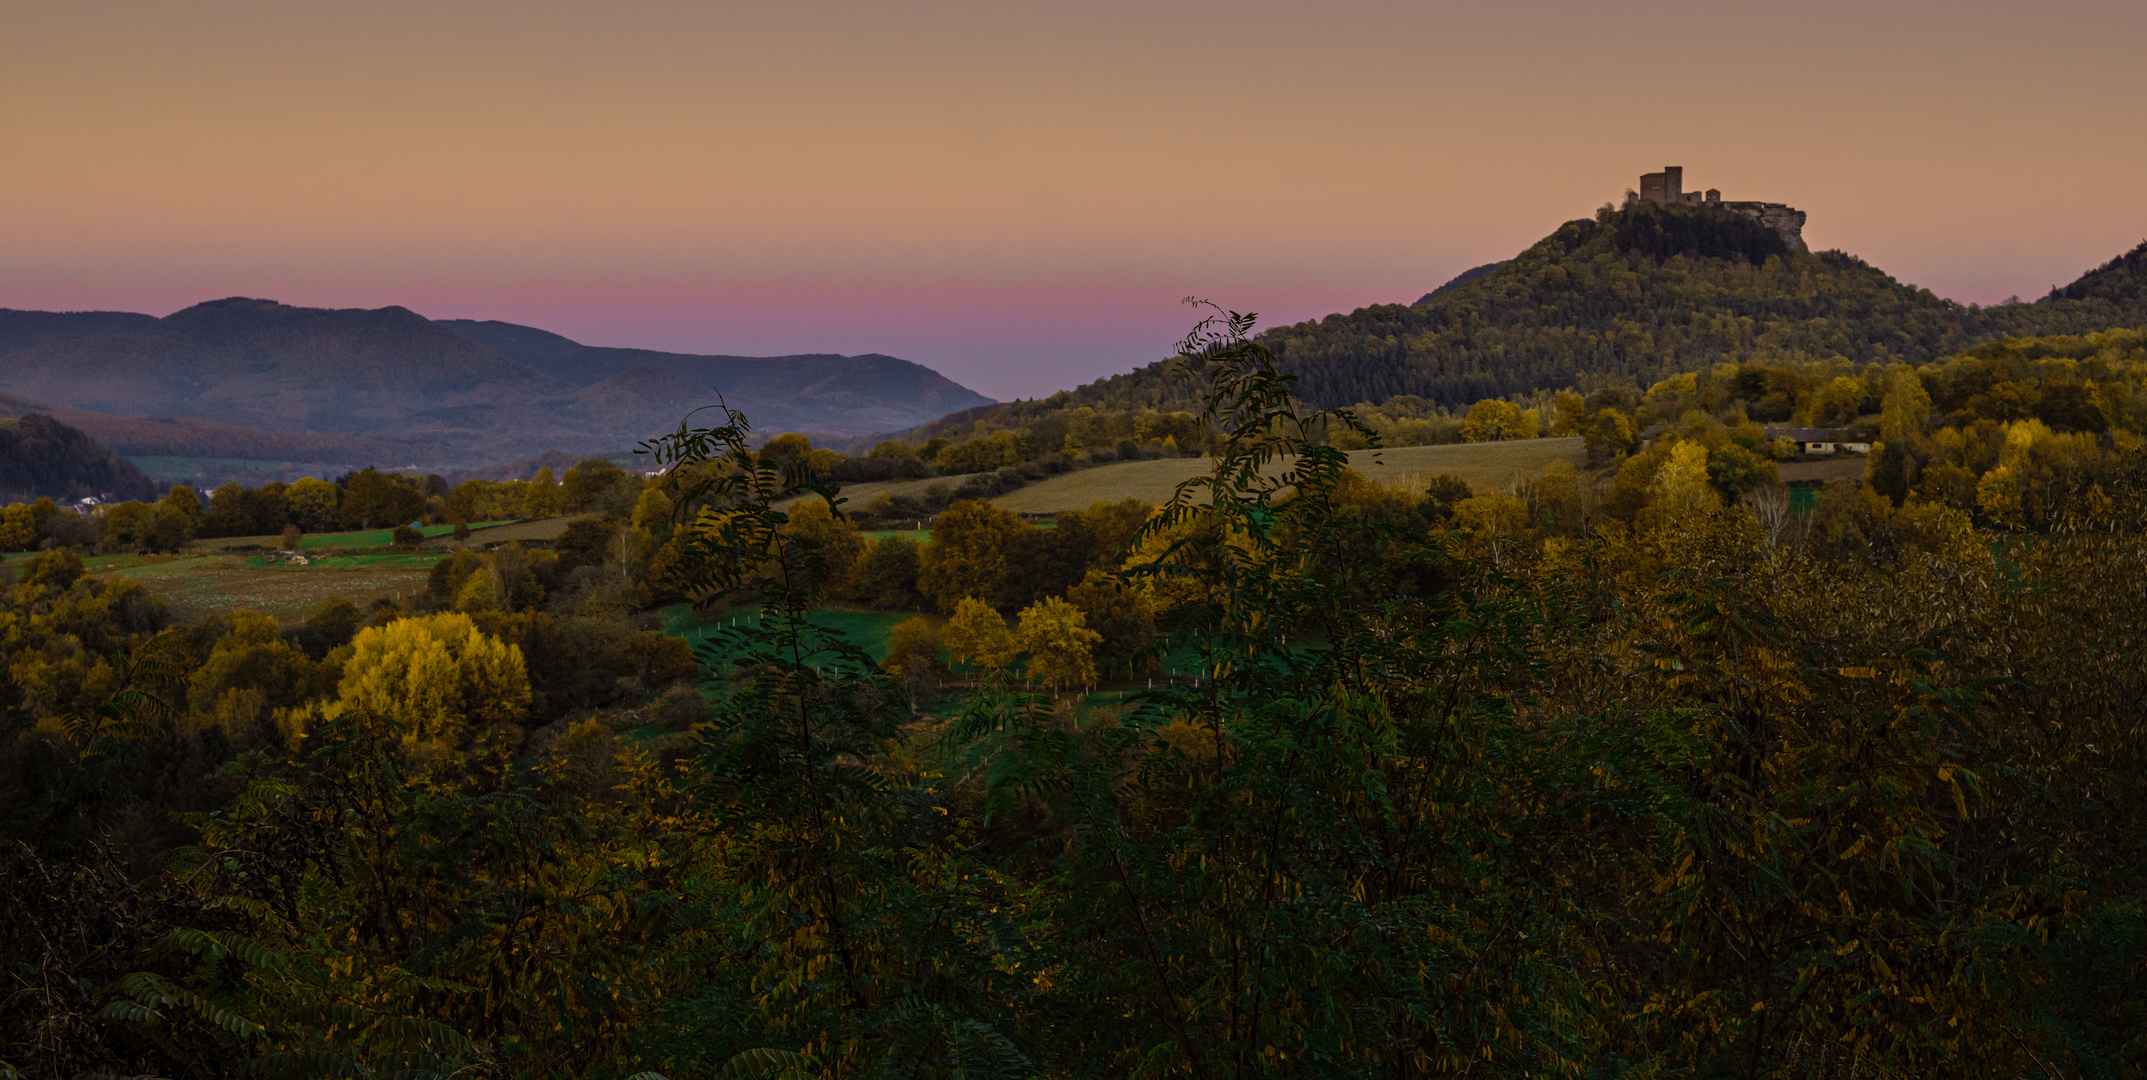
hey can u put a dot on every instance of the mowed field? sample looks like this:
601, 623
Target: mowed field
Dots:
1846, 467
1486, 466
488, 532
198, 585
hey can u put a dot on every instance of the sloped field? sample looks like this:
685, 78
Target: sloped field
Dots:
1486, 467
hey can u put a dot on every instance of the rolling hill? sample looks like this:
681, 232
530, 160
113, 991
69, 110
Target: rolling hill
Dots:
257, 378
40, 456
1630, 295
822, 392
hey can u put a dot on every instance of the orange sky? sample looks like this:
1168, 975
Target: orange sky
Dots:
1016, 193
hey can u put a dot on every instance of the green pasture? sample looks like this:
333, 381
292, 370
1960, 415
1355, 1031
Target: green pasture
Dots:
98, 564
393, 560
378, 537
866, 629
922, 535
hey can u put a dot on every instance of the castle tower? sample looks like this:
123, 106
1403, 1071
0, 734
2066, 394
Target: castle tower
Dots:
1665, 186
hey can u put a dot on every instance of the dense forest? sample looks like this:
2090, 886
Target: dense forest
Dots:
1638, 769
40, 456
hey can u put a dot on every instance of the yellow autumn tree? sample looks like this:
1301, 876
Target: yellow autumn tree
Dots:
1681, 481
478, 593
977, 636
18, 528
544, 497
1836, 402
314, 504
652, 512
1906, 409
913, 652
1492, 420
967, 555
1496, 514
1061, 647
435, 679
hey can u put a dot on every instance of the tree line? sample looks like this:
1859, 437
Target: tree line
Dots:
1671, 784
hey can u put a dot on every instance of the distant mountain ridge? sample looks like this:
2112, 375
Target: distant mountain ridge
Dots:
389, 381
872, 392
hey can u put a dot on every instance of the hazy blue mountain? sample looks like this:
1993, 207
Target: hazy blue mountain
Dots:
390, 381
22, 329
841, 395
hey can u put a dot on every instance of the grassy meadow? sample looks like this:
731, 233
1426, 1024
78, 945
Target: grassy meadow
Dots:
198, 585
1486, 467
867, 629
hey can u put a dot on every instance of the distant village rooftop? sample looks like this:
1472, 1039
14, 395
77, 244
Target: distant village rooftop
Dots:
1668, 186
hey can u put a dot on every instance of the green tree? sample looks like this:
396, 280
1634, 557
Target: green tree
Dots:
968, 555
182, 500
913, 653
875, 942
373, 500
228, 513
1120, 613
887, 575
596, 485
543, 497
837, 541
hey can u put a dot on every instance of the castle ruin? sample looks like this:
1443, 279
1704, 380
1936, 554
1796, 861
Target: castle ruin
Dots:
1668, 186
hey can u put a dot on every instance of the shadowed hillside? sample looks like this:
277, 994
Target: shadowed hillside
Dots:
22, 329
840, 395
41, 457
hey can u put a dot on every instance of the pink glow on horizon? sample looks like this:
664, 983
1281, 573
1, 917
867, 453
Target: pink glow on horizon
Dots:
1016, 195
1004, 340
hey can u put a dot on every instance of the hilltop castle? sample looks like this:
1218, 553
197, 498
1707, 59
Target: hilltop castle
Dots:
1668, 186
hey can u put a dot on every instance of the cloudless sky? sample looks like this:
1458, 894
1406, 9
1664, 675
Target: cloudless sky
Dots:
1017, 193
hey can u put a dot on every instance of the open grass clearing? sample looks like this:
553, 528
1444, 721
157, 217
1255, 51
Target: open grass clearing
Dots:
915, 536
533, 530
368, 538
1486, 466
198, 587
867, 630
1845, 467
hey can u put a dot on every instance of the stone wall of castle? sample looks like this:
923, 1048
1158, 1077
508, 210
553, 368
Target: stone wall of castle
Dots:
1668, 186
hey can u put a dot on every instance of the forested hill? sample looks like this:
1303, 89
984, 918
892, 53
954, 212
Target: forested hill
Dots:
1652, 291
2120, 283
40, 456
1631, 295
822, 392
